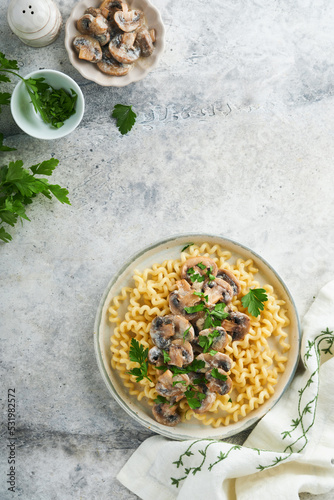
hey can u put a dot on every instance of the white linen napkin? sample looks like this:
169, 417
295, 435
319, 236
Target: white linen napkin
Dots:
290, 451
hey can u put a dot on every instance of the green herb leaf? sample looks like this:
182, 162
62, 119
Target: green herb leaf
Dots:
254, 299
215, 373
186, 246
138, 354
194, 398
7, 63
4, 148
185, 333
166, 356
201, 266
196, 308
161, 400
206, 341
125, 117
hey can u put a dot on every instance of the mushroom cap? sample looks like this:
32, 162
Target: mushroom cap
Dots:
155, 356
218, 290
83, 24
103, 39
237, 325
206, 403
218, 360
144, 42
93, 11
183, 297
162, 330
192, 265
88, 48
122, 49
92, 25
219, 341
228, 276
180, 353
128, 20
166, 414
217, 385
111, 4
165, 387
110, 66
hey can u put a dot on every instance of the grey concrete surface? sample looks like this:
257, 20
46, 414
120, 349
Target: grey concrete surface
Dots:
234, 136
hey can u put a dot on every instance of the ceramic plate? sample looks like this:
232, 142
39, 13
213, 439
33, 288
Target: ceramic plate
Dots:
157, 253
141, 68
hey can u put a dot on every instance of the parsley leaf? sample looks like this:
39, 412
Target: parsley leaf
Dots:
194, 398
139, 355
161, 400
185, 333
215, 374
254, 299
197, 308
2, 147
186, 246
206, 341
125, 117
166, 356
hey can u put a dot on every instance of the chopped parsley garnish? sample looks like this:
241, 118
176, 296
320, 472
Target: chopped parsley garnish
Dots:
215, 374
201, 266
195, 276
161, 400
214, 316
199, 381
254, 299
194, 398
183, 382
139, 355
166, 356
185, 333
186, 246
206, 341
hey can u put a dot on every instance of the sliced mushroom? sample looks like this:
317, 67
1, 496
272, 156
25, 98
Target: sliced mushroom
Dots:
228, 276
144, 42
183, 297
92, 11
218, 336
90, 25
166, 414
162, 330
128, 20
218, 291
172, 387
111, 4
103, 39
88, 48
183, 329
218, 360
237, 325
180, 353
221, 385
155, 356
110, 66
190, 270
122, 49
206, 403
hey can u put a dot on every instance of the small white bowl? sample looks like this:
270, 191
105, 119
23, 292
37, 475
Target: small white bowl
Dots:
140, 68
31, 122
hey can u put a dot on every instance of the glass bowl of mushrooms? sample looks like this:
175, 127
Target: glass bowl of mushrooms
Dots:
114, 42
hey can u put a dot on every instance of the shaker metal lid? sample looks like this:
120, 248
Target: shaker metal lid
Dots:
28, 16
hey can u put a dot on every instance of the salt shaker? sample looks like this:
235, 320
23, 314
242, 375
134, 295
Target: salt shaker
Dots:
36, 22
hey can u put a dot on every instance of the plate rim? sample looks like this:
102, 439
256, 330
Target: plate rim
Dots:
242, 424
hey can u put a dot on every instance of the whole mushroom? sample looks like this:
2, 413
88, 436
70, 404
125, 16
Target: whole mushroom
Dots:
121, 47
128, 20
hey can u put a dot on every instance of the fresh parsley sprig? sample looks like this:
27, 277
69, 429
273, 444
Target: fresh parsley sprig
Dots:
54, 105
254, 299
139, 355
125, 117
18, 187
